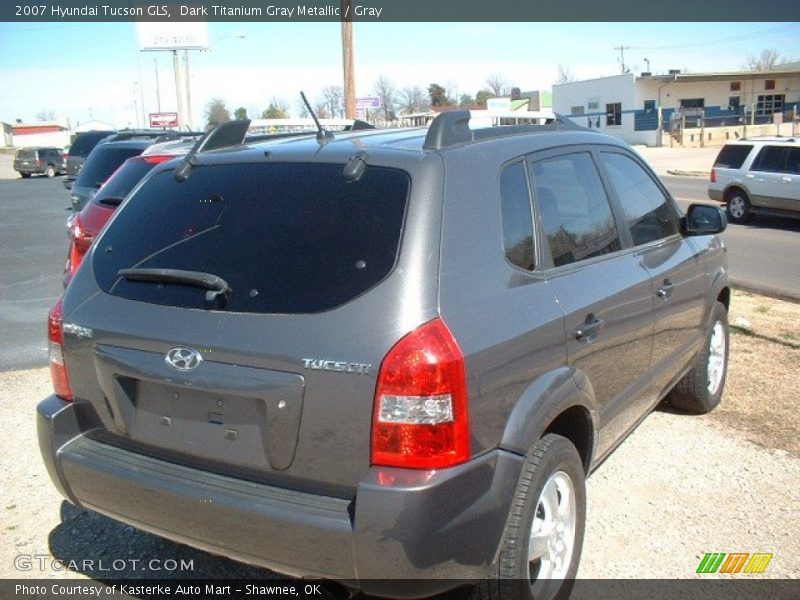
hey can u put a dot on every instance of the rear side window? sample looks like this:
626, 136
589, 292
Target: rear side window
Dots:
574, 209
647, 210
732, 156
771, 159
286, 237
102, 163
85, 142
517, 217
123, 181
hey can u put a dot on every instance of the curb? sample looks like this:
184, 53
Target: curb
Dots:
764, 290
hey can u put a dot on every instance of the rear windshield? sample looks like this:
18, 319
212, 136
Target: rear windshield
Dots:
118, 186
26, 155
102, 162
732, 157
287, 238
85, 142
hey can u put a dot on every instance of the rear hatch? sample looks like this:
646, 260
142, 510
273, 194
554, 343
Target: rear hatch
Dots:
273, 377
27, 159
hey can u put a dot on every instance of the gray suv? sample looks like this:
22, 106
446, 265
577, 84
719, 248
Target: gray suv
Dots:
388, 354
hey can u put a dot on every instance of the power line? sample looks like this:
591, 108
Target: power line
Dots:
735, 38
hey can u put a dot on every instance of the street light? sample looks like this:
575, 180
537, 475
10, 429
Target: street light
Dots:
238, 35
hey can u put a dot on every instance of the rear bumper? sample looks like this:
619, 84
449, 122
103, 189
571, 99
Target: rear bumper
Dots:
717, 195
434, 527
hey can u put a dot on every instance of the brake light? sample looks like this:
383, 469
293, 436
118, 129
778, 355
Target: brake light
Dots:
55, 339
81, 241
713, 176
155, 159
420, 418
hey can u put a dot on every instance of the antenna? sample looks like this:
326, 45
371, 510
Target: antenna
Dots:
622, 56
323, 136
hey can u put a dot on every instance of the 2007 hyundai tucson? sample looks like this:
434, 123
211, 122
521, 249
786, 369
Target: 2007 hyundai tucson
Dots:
388, 354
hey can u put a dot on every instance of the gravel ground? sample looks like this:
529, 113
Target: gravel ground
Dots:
677, 488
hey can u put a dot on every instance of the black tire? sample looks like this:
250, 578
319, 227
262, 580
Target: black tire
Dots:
50, 171
692, 393
738, 207
25, 175
512, 576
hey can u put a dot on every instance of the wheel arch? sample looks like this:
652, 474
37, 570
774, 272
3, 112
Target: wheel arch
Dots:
733, 188
560, 402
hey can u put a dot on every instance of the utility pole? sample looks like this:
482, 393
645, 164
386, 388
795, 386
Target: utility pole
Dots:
188, 90
347, 59
622, 56
158, 88
178, 95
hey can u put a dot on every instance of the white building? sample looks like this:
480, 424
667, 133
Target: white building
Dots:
635, 107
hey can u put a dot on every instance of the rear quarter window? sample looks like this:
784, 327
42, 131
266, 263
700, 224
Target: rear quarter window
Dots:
732, 156
287, 237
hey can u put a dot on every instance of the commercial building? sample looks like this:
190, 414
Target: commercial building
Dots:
689, 108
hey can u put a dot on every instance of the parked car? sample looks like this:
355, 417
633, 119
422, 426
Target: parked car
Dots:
758, 176
383, 355
85, 143
79, 149
40, 160
84, 226
101, 163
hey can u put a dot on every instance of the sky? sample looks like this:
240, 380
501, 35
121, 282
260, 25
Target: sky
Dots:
83, 71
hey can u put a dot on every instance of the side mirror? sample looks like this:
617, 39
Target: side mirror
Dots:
703, 219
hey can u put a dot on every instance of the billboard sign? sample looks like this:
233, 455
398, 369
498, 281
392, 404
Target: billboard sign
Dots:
172, 36
163, 119
368, 102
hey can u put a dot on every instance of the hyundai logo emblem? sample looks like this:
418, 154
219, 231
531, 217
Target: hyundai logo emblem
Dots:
183, 359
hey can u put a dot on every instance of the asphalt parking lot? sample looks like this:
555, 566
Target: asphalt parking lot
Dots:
33, 248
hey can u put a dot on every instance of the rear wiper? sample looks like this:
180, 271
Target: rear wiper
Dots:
216, 286
110, 201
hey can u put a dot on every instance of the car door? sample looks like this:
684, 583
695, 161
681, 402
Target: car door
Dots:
672, 261
603, 290
768, 180
789, 185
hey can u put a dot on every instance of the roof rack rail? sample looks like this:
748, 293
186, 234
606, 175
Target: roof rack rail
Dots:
451, 128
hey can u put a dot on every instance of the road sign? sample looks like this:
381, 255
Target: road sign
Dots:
368, 102
164, 119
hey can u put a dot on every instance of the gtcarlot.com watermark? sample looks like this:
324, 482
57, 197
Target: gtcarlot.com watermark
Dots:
46, 563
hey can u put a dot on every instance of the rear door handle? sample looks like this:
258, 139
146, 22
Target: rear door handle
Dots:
590, 328
786, 179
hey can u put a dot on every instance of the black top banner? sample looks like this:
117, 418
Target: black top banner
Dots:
397, 11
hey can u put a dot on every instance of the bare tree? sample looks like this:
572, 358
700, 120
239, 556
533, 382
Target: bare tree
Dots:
333, 97
564, 75
216, 113
497, 84
414, 100
766, 61
45, 115
321, 110
386, 91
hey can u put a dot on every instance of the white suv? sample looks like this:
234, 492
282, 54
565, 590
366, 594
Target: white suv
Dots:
758, 175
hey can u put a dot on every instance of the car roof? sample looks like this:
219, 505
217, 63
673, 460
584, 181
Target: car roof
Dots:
131, 143
764, 139
395, 142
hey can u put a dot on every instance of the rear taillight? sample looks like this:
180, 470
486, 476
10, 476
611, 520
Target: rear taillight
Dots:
420, 418
81, 241
713, 176
55, 339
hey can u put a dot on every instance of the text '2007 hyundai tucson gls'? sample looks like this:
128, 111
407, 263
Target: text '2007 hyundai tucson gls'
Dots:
388, 354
